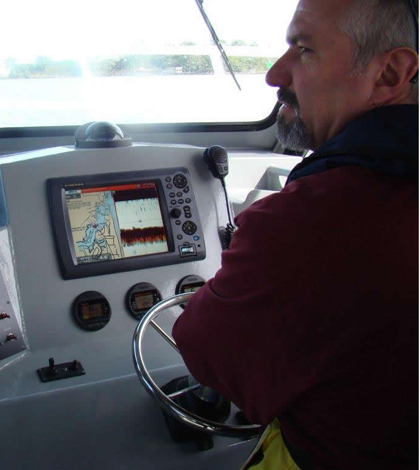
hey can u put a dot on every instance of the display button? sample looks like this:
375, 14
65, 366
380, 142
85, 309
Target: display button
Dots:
176, 213
189, 227
187, 250
180, 181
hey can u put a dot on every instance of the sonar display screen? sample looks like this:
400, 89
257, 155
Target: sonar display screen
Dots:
116, 222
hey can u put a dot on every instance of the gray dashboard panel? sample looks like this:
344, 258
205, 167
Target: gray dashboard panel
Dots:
103, 419
45, 297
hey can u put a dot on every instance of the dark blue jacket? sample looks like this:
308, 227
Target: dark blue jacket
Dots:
384, 139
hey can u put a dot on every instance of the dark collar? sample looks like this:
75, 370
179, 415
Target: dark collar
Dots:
384, 139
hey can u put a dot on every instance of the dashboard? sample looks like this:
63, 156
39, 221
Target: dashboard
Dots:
73, 287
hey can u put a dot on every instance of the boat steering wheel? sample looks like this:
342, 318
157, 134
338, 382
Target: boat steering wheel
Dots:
166, 402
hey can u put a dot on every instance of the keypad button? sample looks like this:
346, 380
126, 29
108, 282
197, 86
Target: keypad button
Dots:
189, 227
180, 181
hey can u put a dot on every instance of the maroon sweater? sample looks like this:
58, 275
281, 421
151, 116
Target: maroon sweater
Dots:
313, 318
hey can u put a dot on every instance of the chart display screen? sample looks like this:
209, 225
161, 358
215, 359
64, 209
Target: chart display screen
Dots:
116, 222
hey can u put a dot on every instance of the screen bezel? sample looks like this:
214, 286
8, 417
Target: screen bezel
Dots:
62, 229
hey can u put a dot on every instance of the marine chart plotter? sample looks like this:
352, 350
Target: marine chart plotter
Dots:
116, 222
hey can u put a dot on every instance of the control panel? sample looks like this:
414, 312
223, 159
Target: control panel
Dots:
114, 235
11, 338
107, 223
183, 212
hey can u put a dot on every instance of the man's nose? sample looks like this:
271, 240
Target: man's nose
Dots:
279, 75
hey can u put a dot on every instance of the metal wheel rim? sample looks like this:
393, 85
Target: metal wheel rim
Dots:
168, 405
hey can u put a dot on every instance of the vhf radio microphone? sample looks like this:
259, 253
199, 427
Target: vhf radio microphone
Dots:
216, 158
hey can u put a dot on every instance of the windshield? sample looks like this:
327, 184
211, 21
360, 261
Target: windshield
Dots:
138, 61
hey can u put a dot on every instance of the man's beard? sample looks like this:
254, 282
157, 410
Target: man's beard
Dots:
293, 133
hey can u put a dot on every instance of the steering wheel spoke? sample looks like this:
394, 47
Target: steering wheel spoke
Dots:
184, 391
164, 335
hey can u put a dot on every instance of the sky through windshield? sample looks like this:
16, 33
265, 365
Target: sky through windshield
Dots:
50, 55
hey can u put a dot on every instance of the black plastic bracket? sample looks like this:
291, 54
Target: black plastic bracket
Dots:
217, 410
64, 370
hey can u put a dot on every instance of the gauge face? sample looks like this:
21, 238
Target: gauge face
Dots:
193, 287
143, 300
142, 297
189, 284
91, 311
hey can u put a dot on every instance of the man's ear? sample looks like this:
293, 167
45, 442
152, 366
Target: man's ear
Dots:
398, 67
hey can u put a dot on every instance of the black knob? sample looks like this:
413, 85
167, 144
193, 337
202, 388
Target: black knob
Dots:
52, 370
176, 213
74, 365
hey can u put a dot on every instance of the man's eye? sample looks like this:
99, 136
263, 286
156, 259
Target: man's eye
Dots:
303, 50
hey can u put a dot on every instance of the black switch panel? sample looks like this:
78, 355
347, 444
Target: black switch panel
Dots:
64, 370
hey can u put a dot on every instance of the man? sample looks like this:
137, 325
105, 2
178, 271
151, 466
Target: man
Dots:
311, 323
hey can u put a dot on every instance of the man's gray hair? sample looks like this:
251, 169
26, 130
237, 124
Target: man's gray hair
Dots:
378, 26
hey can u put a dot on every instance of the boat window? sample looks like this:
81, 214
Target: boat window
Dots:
138, 61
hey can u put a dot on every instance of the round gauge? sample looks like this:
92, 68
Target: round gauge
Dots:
91, 310
141, 298
189, 284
